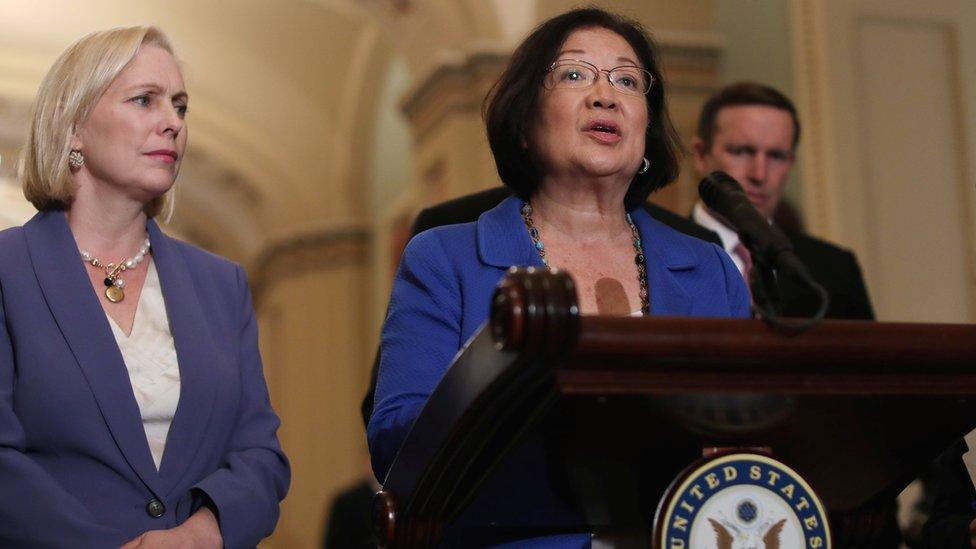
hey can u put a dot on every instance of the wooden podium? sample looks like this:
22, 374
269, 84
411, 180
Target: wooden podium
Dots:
622, 405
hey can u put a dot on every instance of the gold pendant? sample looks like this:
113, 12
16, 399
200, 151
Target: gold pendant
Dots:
114, 294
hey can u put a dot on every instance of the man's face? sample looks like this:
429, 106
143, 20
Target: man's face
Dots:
753, 144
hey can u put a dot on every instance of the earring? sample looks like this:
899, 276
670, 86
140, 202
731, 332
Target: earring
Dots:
75, 159
645, 165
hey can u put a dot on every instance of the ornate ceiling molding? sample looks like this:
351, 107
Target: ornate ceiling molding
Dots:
455, 83
690, 59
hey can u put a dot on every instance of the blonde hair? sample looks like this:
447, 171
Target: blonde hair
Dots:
66, 98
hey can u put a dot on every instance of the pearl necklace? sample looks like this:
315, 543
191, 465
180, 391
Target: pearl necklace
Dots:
113, 271
526, 212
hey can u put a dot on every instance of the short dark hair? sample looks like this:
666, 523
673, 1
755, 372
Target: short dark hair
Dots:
510, 106
742, 94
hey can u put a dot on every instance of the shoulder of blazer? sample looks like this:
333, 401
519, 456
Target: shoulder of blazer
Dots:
10, 235
14, 258
12, 243
834, 266
198, 260
463, 209
806, 244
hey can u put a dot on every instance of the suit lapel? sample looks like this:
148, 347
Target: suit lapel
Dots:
84, 325
197, 354
503, 240
665, 252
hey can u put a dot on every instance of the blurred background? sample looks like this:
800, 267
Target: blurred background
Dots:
319, 128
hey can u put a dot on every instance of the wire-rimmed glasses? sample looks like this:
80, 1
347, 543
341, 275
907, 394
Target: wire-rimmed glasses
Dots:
578, 74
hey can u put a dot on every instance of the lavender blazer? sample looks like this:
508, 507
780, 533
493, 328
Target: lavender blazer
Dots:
75, 467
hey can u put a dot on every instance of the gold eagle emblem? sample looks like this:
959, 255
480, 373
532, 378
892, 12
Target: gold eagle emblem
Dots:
725, 540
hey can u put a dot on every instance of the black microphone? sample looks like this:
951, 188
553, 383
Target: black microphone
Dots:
767, 244
770, 248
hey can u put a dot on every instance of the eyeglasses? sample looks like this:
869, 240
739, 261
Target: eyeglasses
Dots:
576, 74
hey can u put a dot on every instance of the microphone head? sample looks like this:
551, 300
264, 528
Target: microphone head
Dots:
725, 198
716, 185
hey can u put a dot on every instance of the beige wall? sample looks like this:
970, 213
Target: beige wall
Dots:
890, 93
758, 47
318, 402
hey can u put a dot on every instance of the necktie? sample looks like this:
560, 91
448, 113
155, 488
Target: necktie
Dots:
746, 257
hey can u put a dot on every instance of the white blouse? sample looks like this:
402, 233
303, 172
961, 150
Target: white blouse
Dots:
150, 357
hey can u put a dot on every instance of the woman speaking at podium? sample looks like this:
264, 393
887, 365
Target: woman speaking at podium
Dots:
133, 408
579, 131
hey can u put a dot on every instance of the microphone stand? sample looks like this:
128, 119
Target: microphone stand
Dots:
767, 302
772, 252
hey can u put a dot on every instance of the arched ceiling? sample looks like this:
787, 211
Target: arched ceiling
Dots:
424, 31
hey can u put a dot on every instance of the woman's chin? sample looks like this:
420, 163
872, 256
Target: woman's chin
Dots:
151, 190
607, 171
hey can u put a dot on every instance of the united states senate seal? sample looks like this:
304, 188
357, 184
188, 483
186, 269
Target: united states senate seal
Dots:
739, 501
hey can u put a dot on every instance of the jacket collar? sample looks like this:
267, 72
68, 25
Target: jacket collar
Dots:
85, 327
666, 252
503, 242
75, 307
196, 351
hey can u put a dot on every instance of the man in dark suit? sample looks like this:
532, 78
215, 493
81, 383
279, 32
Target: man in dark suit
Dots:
750, 131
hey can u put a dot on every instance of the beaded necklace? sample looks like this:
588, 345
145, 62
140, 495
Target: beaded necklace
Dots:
114, 285
526, 212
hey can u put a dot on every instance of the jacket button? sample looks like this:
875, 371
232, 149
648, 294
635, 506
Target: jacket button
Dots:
155, 508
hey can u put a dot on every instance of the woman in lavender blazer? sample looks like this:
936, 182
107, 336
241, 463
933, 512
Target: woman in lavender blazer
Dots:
133, 407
